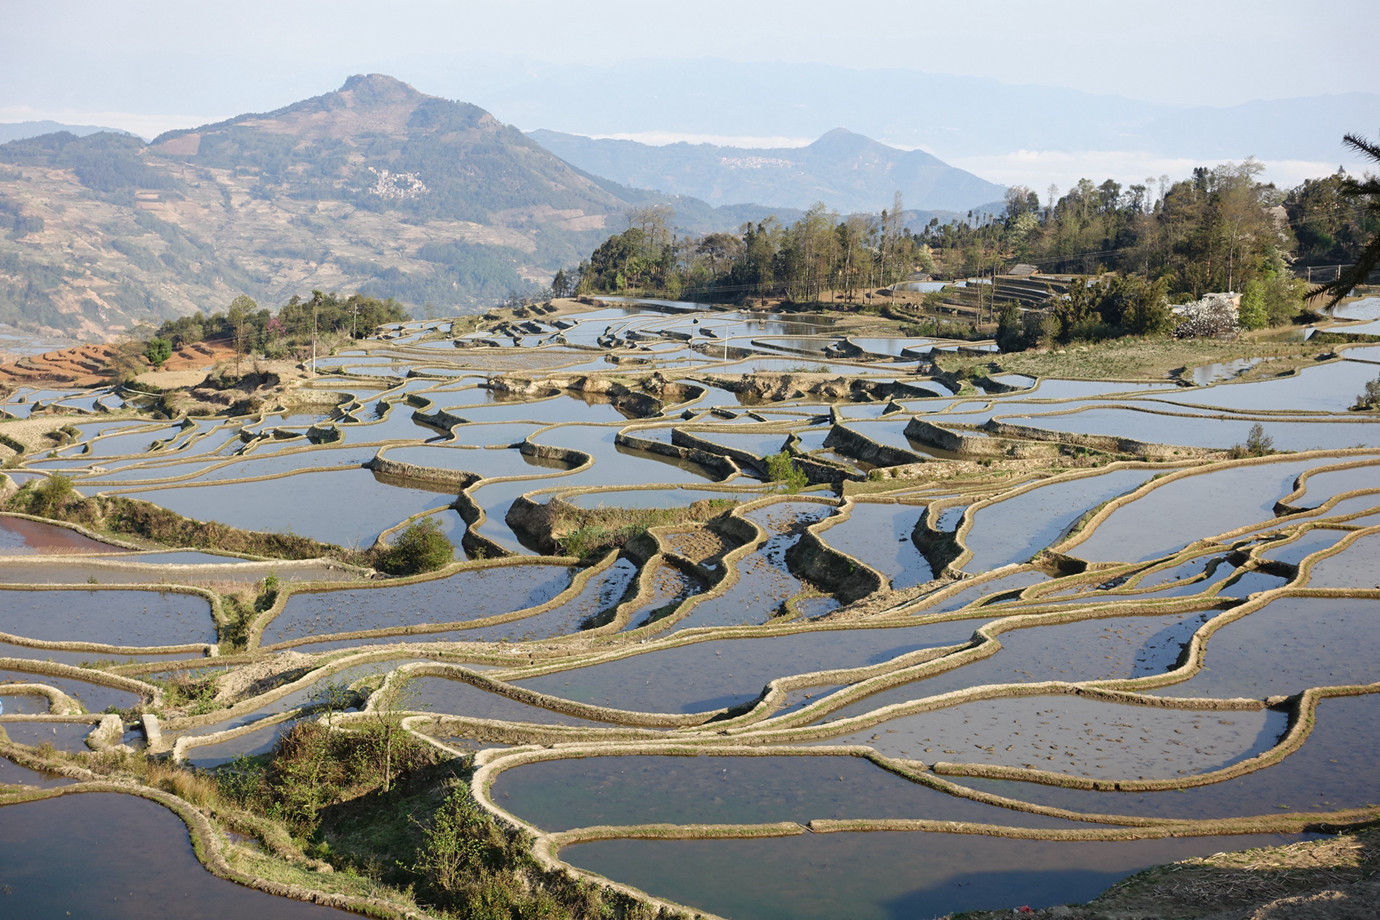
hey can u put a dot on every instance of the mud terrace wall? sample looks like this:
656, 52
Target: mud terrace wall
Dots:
718, 463
461, 479
1096, 442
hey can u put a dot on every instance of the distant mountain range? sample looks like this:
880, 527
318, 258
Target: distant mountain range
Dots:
375, 187
18, 130
951, 116
382, 189
845, 171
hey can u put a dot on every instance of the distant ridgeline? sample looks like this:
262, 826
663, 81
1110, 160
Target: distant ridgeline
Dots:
844, 170
376, 188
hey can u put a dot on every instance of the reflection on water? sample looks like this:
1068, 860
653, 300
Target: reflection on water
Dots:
716, 674
873, 876
63, 857
621, 633
1180, 511
562, 794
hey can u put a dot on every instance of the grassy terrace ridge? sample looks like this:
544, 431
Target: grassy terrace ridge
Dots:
371, 802
1158, 358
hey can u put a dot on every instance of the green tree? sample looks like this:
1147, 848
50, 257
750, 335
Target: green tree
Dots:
1366, 194
1073, 309
158, 351
1011, 329
1251, 313
50, 495
785, 472
396, 695
1369, 398
1144, 307
238, 318
561, 285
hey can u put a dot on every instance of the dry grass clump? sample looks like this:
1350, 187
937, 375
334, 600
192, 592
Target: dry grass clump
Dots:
189, 785
591, 533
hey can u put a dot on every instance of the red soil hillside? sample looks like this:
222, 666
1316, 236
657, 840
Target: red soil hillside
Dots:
90, 365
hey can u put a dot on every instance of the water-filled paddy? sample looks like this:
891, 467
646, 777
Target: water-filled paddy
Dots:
302, 458
1324, 484
1287, 646
601, 594
447, 696
1103, 649
12, 773
94, 697
1052, 388
471, 594
558, 409
1328, 387
396, 424
18, 535
876, 876
880, 535
1312, 541
1330, 772
652, 789
1016, 528
64, 736
64, 856
887, 346
1202, 431
650, 498
130, 618
345, 507
759, 445
486, 463
310, 695
1192, 507
246, 744
705, 676
990, 589
1356, 566
668, 586
1121, 625
765, 582
86, 658
1077, 736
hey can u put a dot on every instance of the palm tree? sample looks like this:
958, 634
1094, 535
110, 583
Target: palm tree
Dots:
1365, 193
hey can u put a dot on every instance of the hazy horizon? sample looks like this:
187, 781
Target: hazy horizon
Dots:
172, 65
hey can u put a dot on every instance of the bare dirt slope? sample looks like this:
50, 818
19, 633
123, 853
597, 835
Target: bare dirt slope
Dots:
92, 365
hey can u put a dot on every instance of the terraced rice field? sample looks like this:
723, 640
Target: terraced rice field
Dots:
987, 649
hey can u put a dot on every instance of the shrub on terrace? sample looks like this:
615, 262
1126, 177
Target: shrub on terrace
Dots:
421, 547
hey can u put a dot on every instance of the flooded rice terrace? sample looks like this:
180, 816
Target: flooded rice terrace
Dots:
884, 641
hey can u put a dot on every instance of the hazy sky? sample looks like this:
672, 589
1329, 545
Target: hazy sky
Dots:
160, 64
152, 66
